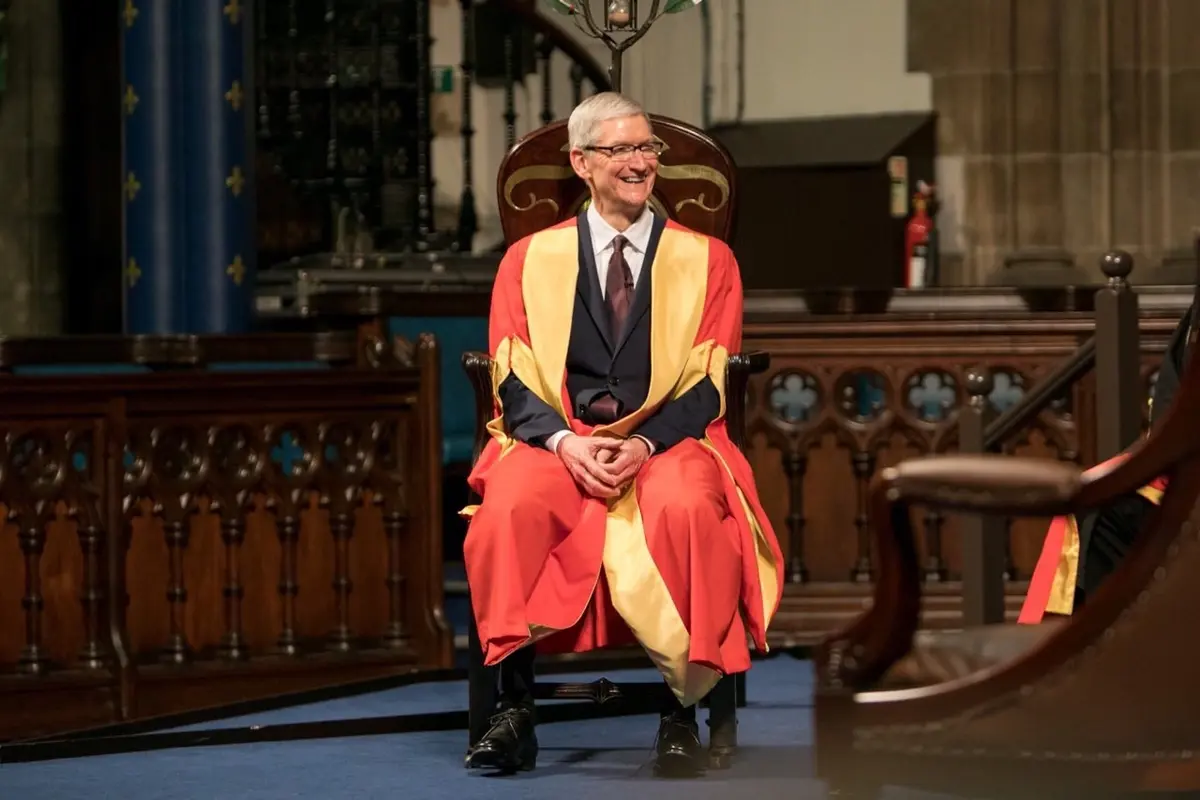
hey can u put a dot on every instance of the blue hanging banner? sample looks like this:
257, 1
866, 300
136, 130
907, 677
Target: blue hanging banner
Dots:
152, 273
218, 161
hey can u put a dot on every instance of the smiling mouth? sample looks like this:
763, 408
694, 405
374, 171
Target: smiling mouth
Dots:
634, 179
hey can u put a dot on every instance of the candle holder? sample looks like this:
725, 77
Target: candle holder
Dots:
619, 17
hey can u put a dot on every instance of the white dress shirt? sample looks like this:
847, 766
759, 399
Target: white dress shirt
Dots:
637, 237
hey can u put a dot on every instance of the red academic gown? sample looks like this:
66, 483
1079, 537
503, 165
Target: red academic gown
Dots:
685, 561
1052, 587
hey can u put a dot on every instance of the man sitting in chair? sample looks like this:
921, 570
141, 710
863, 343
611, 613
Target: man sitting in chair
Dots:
613, 500
1079, 555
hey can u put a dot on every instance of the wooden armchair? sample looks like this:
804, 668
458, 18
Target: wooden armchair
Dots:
537, 189
1101, 702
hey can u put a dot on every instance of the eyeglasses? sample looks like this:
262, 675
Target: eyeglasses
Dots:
623, 152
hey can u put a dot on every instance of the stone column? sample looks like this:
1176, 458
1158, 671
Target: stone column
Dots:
31, 138
1067, 127
1170, 79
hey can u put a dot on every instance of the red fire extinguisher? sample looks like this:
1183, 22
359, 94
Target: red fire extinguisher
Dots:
920, 242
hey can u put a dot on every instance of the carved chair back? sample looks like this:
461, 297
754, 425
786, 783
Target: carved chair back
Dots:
696, 185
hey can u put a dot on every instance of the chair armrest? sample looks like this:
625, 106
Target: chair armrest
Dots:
478, 367
984, 484
737, 378
750, 363
859, 655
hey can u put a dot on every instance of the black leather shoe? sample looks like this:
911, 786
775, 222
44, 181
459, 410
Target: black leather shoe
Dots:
678, 753
509, 745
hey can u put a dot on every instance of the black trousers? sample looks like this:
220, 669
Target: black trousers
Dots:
517, 681
1105, 537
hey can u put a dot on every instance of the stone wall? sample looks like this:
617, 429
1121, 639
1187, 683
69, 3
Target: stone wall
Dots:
31, 138
1069, 126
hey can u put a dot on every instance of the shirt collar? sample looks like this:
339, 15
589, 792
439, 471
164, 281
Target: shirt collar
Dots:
637, 234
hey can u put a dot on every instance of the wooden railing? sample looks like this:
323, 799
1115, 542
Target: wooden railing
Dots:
190, 526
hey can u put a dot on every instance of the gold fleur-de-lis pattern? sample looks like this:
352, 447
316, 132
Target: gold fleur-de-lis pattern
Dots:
132, 272
144, 217
132, 187
237, 270
236, 181
234, 96
171, 184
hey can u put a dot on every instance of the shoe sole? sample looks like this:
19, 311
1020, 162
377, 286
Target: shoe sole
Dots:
484, 761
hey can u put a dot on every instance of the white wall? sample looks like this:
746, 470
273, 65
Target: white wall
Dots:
804, 58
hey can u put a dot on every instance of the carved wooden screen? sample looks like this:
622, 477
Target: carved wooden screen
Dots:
696, 184
339, 116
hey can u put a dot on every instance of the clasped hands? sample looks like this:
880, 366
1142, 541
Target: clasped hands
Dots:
602, 465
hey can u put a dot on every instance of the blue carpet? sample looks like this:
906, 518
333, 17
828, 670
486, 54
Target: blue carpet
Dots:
589, 760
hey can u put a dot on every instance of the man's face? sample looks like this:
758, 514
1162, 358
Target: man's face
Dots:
620, 165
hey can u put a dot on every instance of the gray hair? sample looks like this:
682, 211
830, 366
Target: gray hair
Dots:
599, 108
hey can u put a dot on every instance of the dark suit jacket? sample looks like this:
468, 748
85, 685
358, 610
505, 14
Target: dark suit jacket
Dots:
597, 366
1171, 369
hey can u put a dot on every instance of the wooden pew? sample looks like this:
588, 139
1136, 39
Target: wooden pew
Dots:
195, 521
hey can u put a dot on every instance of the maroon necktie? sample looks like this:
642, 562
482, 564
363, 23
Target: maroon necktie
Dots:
618, 296
618, 289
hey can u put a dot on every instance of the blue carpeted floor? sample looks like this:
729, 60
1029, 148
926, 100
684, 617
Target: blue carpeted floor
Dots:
579, 760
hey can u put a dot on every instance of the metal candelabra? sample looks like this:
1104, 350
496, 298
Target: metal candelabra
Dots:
620, 17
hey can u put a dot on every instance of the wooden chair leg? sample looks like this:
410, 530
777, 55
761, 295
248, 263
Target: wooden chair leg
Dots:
482, 687
722, 723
